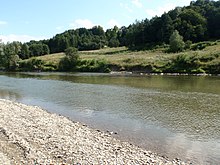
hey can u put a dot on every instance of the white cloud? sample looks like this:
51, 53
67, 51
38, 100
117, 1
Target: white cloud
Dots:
160, 10
79, 23
166, 6
3, 23
112, 22
21, 38
182, 2
59, 27
137, 3
125, 6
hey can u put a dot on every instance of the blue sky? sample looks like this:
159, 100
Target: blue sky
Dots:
24, 20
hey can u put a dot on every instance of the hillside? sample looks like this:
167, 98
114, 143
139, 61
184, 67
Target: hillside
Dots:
157, 60
194, 28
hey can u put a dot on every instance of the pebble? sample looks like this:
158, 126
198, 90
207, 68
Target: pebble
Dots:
42, 137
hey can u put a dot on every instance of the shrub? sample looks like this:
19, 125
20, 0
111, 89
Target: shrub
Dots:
93, 66
202, 45
176, 42
32, 64
69, 62
188, 44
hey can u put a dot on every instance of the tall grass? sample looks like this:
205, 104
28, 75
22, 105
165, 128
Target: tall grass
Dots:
206, 60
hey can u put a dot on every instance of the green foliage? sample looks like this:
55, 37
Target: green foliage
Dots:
114, 42
188, 44
69, 62
112, 37
38, 49
49, 67
93, 66
213, 68
195, 63
192, 25
32, 64
8, 56
121, 59
71, 52
176, 42
1, 55
25, 52
197, 22
82, 39
202, 45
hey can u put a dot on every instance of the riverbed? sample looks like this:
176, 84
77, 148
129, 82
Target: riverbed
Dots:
175, 116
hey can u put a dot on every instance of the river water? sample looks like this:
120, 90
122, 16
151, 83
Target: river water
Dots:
175, 116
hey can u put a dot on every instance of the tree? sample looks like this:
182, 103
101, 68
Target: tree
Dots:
199, 21
24, 53
167, 28
38, 49
113, 42
1, 54
9, 59
45, 49
97, 30
193, 26
122, 36
214, 23
69, 62
176, 42
112, 37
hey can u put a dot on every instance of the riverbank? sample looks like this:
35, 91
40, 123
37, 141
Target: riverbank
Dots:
156, 61
31, 135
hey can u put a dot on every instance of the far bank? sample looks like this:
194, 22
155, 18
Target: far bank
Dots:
205, 61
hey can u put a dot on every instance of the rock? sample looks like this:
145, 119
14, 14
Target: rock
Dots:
30, 135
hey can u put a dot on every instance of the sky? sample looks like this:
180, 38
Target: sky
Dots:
25, 20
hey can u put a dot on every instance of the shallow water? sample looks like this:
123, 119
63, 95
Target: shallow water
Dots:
176, 116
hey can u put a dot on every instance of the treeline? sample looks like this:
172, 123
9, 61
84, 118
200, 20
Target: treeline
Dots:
200, 21
197, 22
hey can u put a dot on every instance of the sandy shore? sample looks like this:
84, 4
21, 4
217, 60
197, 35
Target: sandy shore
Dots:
30, 135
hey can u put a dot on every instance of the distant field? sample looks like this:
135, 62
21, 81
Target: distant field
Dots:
53, 58
118, 56
124, 58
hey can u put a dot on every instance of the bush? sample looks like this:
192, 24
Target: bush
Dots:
176, 42
69, 62
213, 68
197, 70
93, 66
33, 64
185, 64
188, 44
202, 45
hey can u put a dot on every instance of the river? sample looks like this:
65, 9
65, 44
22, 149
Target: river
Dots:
175, 116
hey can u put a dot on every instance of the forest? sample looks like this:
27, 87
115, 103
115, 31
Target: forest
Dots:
177, 29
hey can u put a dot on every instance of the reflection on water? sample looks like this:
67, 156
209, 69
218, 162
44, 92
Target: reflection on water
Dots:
173, 115
9, 95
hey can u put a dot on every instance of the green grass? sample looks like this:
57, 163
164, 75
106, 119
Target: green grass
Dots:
205, 60
52, 58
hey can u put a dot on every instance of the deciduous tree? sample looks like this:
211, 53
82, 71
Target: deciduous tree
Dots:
176, 42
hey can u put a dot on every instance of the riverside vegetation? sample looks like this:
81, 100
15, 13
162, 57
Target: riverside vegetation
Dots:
183, 40
156, 60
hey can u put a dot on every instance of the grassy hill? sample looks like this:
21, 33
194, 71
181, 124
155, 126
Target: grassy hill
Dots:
157, 60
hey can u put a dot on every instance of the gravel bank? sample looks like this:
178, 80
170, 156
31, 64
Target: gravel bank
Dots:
30, 135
